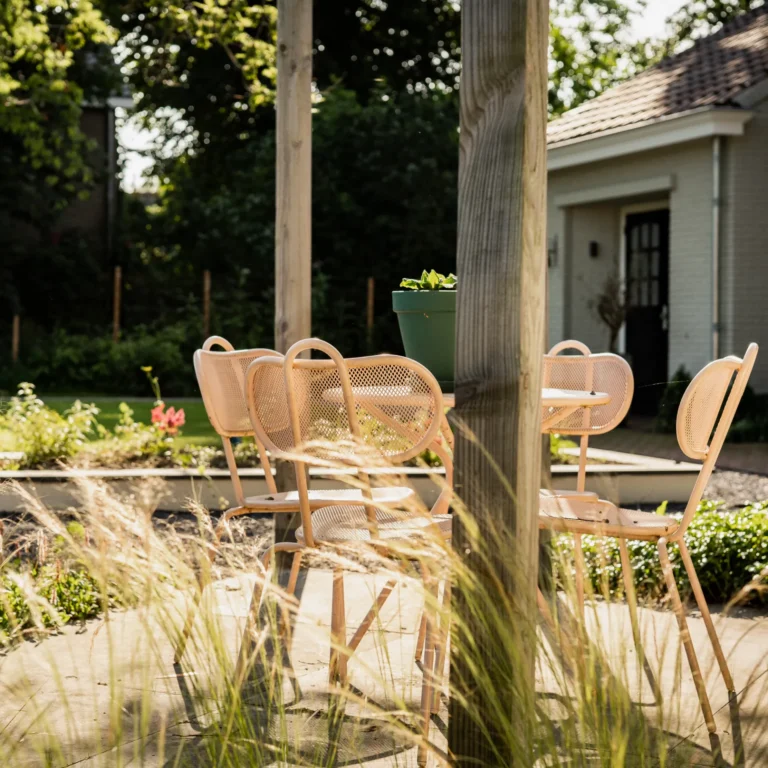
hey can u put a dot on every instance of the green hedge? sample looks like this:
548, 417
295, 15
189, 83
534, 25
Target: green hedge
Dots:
728, 549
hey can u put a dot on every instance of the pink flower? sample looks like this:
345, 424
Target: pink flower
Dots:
174, 419
158, 417
168, 421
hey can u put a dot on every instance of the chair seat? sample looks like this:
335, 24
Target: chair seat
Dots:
602, 518
350, 523
580, 495
289, 501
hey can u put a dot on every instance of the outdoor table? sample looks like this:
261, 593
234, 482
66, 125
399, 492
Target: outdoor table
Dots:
558, 404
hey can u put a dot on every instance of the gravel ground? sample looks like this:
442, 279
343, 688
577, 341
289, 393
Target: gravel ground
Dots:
736, 488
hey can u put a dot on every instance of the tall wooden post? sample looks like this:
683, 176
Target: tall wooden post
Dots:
117, 286
500, 336
293, 217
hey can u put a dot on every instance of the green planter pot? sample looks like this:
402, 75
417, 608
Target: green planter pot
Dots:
427, 322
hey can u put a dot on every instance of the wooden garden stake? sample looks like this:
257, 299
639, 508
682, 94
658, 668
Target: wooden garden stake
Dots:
206, 303
15, 336
369, 313
116, 296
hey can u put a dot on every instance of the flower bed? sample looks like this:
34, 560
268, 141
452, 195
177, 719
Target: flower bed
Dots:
39, 437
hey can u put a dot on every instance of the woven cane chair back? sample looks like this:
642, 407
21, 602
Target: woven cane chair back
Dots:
386, 404
705, 415
703, 401
221, 378
602, 372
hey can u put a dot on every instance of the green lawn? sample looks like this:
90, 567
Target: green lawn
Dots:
197, 429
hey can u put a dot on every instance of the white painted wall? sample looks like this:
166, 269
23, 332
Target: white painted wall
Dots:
577, 278
744, 265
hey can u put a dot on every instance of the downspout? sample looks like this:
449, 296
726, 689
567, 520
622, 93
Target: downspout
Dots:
716, 213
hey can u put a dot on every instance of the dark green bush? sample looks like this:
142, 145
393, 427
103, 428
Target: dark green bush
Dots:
86, 364
728, 549
666, 419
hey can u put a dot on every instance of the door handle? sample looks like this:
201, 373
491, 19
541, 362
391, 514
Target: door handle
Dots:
665, 318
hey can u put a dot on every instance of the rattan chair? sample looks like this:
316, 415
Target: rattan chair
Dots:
221, 378
703, 420
604, 372
362, 412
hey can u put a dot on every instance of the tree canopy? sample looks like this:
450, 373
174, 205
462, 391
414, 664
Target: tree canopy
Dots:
203, 75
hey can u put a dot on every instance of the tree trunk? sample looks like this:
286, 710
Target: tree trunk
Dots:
293, 215
500, 337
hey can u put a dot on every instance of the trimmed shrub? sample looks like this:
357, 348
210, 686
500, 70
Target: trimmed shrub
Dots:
729, 551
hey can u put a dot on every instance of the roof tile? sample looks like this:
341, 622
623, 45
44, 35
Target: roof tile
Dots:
712, 72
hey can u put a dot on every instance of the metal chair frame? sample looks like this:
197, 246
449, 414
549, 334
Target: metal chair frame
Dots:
705, 415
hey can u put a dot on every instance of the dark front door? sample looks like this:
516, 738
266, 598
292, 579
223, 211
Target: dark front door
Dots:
647, 333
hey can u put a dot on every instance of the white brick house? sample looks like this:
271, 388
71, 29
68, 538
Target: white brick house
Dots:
663, 182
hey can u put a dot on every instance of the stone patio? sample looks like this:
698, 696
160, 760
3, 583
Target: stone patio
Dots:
108, 694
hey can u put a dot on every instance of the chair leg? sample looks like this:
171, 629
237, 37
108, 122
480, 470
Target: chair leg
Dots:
285, 619
188, 623
704, 608
337, 664
251, 623
427, 682
420, 638
442, 644
629, 592
419, 655
212, 550
578, 557
685, 636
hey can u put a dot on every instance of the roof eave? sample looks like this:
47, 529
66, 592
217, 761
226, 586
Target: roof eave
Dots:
653, 134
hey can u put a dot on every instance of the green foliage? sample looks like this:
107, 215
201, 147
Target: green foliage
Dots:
729, 551
698, 18
40, 105
93, 363
557, 443
42, 434
591, 49
371, 218
47, 596
430, 281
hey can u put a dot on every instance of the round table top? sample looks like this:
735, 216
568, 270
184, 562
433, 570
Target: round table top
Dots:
556, 398
388, 395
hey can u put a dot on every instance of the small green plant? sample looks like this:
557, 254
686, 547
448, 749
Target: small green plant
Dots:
557, 444
430, 281
42, 434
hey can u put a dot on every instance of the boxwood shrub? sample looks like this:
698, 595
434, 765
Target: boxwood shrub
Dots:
728, 549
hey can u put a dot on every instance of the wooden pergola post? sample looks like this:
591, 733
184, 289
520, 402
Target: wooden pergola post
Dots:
293, 214
500, 336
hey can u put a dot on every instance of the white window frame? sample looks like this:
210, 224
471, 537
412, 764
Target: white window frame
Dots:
624, 211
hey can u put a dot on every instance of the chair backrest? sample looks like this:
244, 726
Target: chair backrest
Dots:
705, 415
388, 403
604, 372
336, 411
221, 378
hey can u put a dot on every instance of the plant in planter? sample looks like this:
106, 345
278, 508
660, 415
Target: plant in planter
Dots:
611, 307
426, 314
